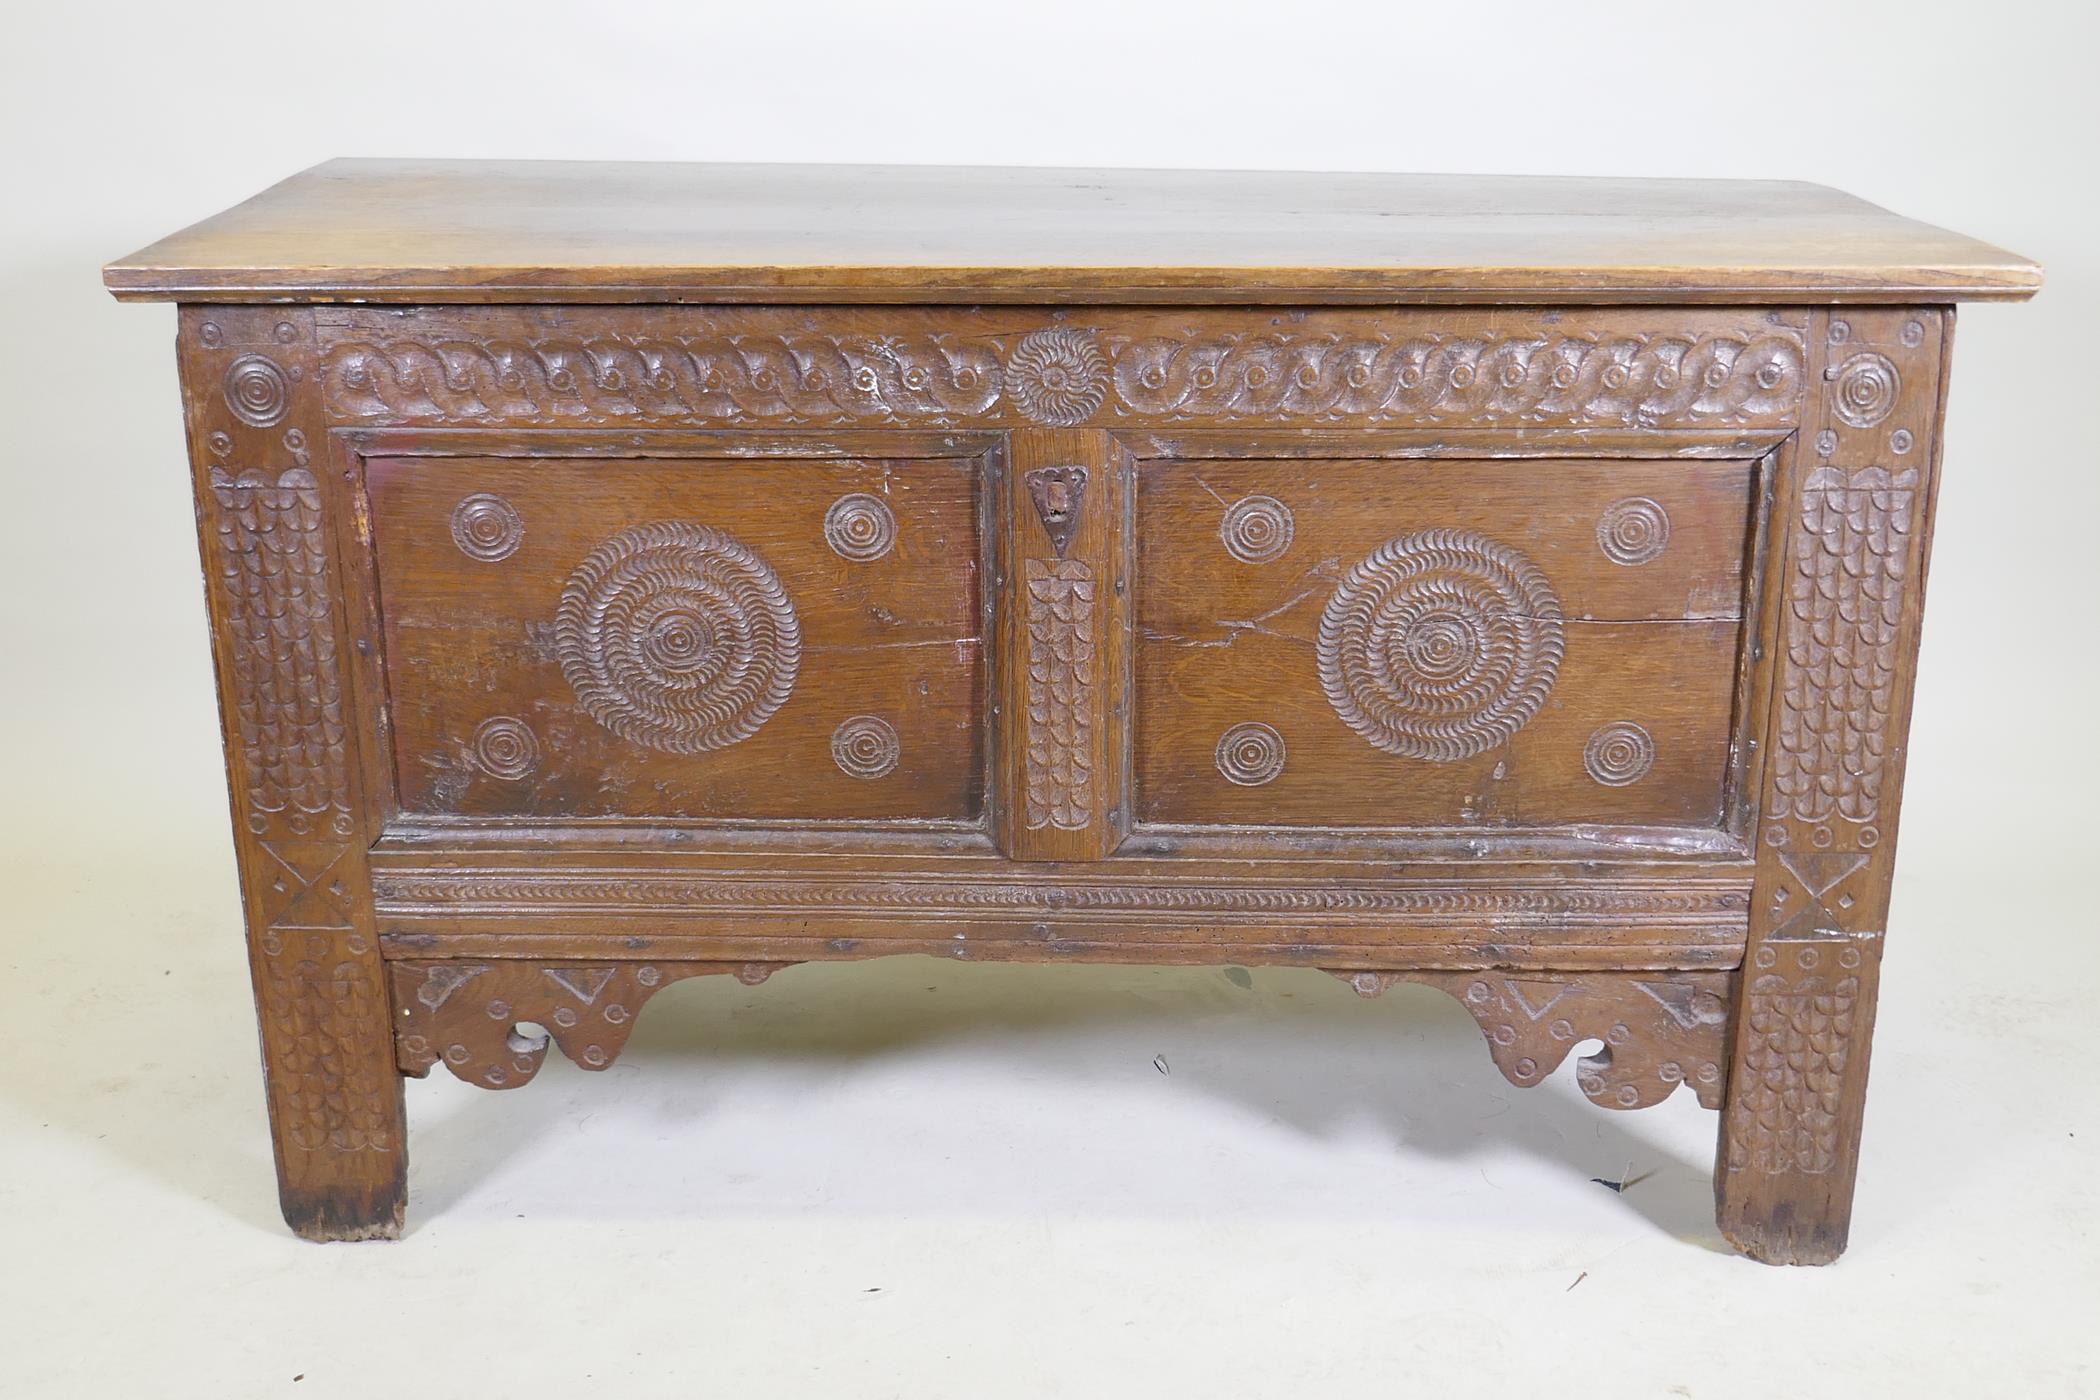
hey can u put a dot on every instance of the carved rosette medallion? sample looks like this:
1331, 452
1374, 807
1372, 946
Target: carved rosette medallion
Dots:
505, 747
1250, 754
1633, 531
1257, 529
1059, 732
1619, 754
487, 527
257, 390
865, 746
677, 637
1057, 376
1440, 645
860, 527
1864, 389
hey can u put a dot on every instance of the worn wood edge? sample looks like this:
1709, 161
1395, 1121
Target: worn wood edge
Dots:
1227, 286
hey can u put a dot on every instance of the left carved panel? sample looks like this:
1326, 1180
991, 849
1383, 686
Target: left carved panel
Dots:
266, 513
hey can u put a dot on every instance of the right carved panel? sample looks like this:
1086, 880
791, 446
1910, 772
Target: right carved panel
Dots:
1410, 642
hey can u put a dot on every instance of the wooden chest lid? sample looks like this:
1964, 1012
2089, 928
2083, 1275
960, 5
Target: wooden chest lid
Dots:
551, 231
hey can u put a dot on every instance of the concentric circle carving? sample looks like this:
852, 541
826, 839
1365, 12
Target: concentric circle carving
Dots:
864, 746
1864, 389
505, 747
1440, 645
487, 527
677, 637
1257, 529
1057, 376
1619, 754
860, 527
257, 390
1633, 531
1250, 754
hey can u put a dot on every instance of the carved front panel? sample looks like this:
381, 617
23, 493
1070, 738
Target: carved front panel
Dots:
681, 637
1444, 643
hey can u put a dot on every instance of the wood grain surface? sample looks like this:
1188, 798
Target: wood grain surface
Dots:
546, 231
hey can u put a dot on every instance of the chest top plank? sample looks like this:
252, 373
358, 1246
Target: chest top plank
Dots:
553, 231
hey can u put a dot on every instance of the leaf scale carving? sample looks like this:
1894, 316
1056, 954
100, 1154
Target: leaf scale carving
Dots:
1060, 784
280, 629
1797, 1038
1851, 558
331, 1088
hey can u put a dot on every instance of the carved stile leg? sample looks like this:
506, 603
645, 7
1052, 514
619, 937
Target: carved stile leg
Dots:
1849, 592
265, 519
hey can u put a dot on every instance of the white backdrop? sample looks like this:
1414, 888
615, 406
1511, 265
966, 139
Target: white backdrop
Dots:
1039, 1209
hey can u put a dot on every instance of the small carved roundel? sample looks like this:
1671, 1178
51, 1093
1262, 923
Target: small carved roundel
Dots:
1257, 529
865, 746
1619, 754
257, 390
860, 527
1250, 754
487, 527
1864, 389
1633, 531
677, 637
505, 747
1440, 645
1057, 376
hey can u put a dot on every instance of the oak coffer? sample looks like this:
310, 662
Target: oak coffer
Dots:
625, 573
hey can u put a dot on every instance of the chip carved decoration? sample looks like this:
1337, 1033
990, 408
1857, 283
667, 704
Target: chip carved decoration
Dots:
1801, 1014
1844, 639
286, 677
490, 1023
1660, 1030
320, 995
677, 637
1059, 733
1062, 375
1440, 645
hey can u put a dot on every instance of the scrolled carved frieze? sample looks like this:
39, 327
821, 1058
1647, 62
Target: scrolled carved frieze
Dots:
1659, 1029
677, 637
906, 364
1629, 380
490, 1023
1440, 645
613, 378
